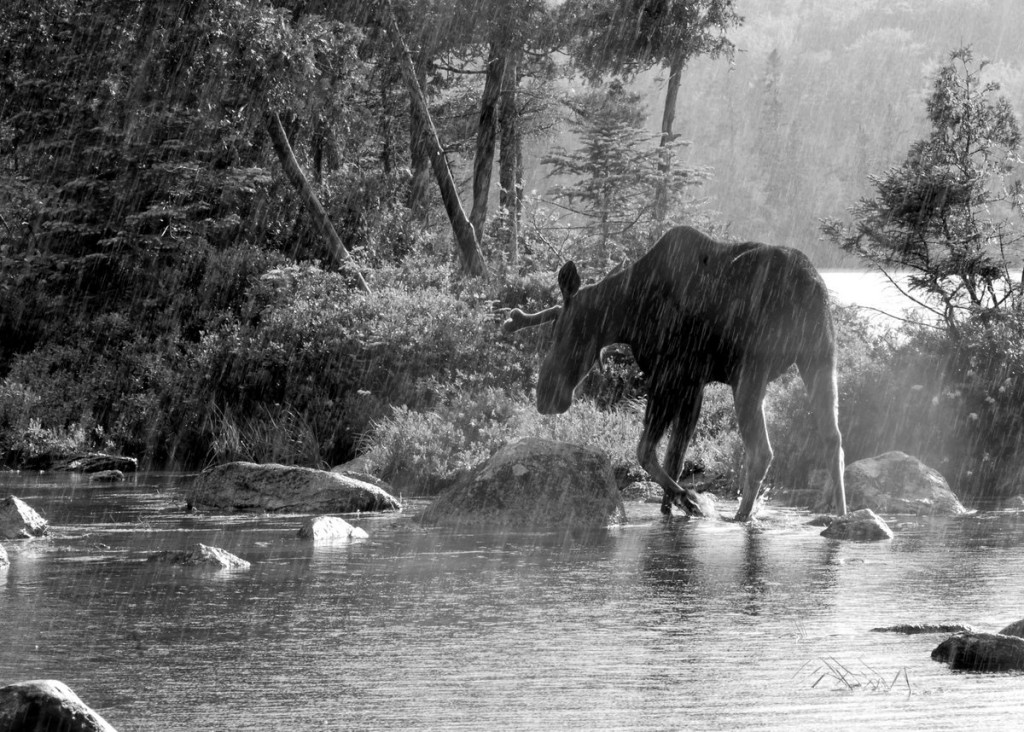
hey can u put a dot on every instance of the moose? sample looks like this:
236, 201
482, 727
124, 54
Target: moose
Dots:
696, 311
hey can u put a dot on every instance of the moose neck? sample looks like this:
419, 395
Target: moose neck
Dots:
607, 304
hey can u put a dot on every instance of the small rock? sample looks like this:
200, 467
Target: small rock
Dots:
106, 476
981, 652
862, 525
47, 705
330, 528
18, 520
199, 555
4, 561
96, 462
920, 628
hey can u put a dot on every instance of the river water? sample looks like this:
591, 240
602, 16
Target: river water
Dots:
660, 624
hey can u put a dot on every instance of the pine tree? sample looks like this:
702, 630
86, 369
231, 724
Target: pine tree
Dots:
615, 173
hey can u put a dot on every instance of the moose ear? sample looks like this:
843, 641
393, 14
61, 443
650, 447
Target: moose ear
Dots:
568, 280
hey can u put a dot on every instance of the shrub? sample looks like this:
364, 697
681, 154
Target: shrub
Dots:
340, 359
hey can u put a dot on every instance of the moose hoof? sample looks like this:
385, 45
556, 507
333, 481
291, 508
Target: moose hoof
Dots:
689, 505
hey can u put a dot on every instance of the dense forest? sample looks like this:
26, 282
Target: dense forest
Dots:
287, 230
821, 95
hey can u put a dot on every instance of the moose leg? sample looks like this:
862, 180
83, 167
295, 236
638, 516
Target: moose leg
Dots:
682, 432
821, 388
656, 422
748, 396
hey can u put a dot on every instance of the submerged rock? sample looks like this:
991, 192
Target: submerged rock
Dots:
96, 462
200, 555
981, 652
921, 628
862, 525
534, 483
106, 476
895, 482
47, 705
330, 528
1015, 629
243, 486
18, 520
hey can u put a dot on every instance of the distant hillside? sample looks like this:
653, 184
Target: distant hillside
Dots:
820, 95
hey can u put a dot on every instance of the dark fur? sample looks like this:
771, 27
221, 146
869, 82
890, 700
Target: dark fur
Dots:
696, 311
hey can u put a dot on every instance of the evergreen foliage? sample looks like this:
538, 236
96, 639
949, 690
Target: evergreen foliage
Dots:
943, 215
612, 176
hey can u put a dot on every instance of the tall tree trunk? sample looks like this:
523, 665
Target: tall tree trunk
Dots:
510, 162
667, 136
385, 122
336, 251
419, 153
465, 238
486, 133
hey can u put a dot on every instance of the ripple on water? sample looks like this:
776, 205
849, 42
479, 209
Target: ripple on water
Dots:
661, 624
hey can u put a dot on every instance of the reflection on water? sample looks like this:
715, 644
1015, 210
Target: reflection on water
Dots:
658, 624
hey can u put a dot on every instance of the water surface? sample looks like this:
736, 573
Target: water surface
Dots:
661, 624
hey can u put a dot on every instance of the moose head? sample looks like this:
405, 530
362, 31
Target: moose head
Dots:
575, 345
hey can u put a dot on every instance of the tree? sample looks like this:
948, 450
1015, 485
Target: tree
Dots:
465, 236
623, 37
615, 172
943, 214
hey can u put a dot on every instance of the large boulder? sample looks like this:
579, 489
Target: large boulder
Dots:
1015, 628
862, 525
330, 528
895, 482
247, 486
18, 520
47, 705
981, 652
200, 555
534, 484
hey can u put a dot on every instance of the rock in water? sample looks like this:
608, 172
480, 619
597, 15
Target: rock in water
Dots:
106, 476
247, 486
18, 520
47, 705
534, 484
922, 628
96, 462
862, 525
201, 555
895, 482
1015, 628
981, 652
4, 560
330, 528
